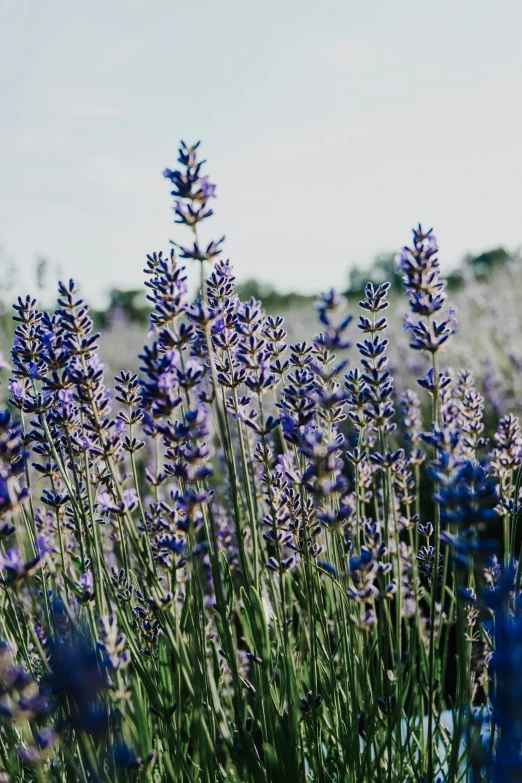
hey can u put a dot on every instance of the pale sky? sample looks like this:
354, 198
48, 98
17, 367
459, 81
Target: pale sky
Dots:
331, 128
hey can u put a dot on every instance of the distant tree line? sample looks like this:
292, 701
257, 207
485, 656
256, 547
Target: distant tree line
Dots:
384, 268
133, 305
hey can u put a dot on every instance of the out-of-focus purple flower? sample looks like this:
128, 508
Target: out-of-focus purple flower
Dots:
17, 389
16, 568
78, 683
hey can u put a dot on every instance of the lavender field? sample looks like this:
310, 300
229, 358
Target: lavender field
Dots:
259, 547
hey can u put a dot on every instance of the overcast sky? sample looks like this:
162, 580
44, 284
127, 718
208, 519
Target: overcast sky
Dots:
330, 129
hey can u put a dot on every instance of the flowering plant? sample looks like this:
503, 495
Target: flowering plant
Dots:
254, 561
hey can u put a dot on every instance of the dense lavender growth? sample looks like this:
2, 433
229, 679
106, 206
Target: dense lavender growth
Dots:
255, 560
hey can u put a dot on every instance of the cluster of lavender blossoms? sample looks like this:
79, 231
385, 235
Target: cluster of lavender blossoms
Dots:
254, 560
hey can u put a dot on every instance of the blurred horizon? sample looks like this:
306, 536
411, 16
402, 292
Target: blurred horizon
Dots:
330, 131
